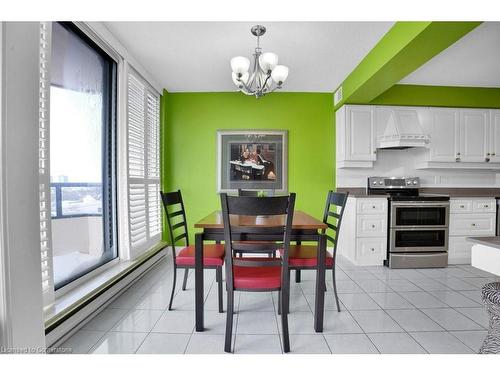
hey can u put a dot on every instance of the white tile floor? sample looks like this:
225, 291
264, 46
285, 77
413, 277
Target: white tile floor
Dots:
383, 311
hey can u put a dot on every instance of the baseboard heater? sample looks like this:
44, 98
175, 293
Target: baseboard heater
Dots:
63, 325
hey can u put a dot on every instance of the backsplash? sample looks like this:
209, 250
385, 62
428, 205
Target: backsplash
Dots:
402, 163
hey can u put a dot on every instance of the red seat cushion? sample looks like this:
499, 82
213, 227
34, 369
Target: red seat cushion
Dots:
305, 256
213, 255
256, 278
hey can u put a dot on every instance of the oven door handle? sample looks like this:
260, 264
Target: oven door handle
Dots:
419, 204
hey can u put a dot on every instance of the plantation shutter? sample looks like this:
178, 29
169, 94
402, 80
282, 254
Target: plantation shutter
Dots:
44, 165
143, 121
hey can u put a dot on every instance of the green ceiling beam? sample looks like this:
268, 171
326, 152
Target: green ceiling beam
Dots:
405, 47
440, 96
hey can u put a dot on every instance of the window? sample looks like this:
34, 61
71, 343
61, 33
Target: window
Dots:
143, 151
82, 155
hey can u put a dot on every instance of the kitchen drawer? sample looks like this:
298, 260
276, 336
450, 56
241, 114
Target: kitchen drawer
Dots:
371, 248
472, 225
459, 250
461, 206
371, 206
484, 205
371, 226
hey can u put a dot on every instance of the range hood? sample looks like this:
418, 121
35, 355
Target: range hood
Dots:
401, 130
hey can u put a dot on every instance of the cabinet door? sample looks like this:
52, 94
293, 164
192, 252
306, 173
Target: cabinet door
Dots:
445, 135
494, 136
474, 126
360, 133
459, 250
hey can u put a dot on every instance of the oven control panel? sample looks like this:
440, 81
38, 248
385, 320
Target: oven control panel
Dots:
394, 182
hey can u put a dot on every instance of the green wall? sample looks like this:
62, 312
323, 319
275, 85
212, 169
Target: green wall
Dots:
189, 125
440, 96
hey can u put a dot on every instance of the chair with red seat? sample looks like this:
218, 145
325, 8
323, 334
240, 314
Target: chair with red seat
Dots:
213, 254
256, 274
304, 257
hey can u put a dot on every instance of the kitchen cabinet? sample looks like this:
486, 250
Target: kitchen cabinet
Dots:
494, 136
356, 135
469, 217
474, 131
462, 139
444, 131
363, 235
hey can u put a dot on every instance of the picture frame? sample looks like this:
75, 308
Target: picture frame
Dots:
252, 160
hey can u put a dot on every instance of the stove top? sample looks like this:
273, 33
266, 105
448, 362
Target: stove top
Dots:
400, 189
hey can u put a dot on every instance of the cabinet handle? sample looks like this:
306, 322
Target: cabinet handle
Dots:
492, 154
462, 206
457, 159
373, 249
373, 207
486, 206
458, 153
486, 160
473, 224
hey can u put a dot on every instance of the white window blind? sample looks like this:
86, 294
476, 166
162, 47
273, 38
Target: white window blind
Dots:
44, 164
143, 147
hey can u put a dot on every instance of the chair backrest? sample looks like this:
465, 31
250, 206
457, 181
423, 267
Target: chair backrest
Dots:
333, 218
241, 217
176, 217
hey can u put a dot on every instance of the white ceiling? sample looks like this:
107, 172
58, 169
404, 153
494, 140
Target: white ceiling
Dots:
472, 61
194, 56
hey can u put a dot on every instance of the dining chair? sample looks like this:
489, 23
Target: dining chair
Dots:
253, 193
304, 257
213, 254
257, 274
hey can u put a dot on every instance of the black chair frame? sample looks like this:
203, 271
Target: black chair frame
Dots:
254, 206
336, 200
169, 200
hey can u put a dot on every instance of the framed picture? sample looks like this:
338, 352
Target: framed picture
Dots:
252, 160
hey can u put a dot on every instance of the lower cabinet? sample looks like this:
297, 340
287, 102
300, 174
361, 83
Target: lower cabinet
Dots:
363, 235
469, 217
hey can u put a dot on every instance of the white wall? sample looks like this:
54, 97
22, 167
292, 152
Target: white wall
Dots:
19, 205
402, 163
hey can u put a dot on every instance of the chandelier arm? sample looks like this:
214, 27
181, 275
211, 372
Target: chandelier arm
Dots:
267, 79
247, 88
274, 89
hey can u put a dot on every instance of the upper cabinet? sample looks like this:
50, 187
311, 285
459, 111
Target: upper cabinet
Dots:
355, 135
444, 129
474, 130
463, 138
458, 137
494, 136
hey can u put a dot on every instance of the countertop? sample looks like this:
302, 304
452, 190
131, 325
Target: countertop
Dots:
359, 192
486, 241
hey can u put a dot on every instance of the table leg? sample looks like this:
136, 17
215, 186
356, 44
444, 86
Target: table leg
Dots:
319, 306
198, 281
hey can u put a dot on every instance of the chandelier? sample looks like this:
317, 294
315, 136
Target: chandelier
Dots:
265, 71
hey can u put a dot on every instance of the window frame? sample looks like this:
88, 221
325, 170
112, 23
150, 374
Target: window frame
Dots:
109, 160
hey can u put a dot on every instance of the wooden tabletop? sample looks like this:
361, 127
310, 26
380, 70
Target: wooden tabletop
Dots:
301, 220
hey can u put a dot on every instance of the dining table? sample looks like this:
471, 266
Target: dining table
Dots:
304, 228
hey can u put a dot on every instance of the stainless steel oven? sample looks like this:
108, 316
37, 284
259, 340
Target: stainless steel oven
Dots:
418, 233
417, 226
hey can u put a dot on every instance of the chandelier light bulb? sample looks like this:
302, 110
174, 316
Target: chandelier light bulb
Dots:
279, 74
240, 65
268, 61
